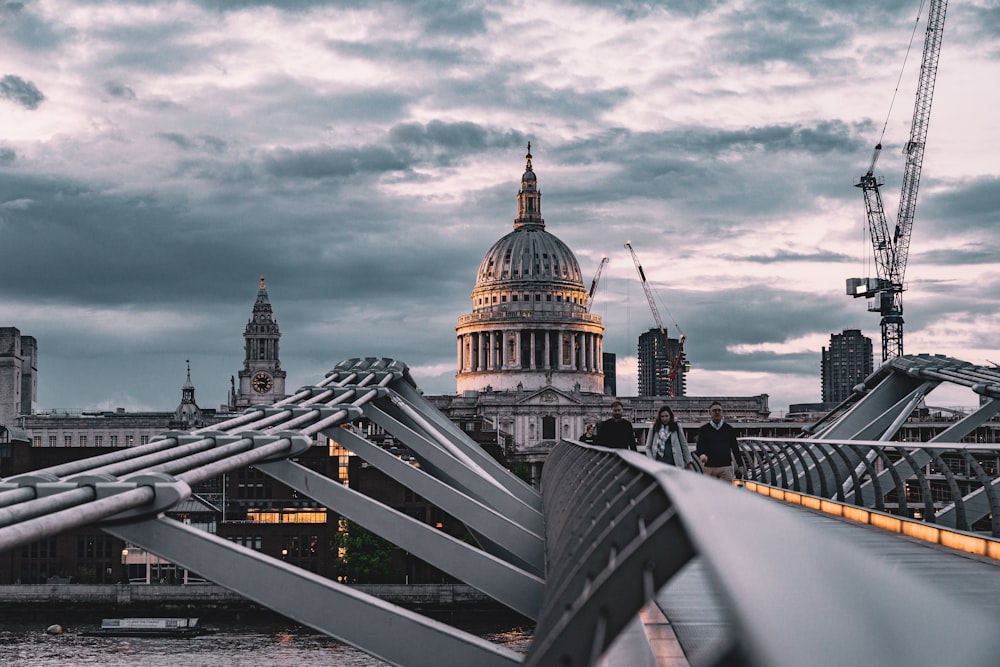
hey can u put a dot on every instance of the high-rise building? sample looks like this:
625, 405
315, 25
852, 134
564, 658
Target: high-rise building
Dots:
610, 374
846, 363
656, 356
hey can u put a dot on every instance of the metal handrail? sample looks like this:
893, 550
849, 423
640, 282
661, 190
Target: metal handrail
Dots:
870, 474
618, 526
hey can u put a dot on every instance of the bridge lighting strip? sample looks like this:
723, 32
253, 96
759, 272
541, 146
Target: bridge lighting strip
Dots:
953, 539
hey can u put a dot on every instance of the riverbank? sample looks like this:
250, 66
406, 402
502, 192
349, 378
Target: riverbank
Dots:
211, 596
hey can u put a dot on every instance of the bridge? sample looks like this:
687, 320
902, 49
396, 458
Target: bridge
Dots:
619, 560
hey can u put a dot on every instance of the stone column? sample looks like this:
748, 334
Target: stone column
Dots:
546, 362
531, 353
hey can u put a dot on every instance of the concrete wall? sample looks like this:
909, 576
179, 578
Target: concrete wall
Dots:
209, 595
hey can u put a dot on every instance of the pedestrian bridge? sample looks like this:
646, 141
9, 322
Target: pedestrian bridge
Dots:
618, 560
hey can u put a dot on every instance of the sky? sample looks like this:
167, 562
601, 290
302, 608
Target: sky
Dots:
157, 158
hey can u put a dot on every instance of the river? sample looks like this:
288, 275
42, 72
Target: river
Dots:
267, 642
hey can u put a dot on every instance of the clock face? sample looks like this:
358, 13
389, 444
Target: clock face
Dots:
261, 383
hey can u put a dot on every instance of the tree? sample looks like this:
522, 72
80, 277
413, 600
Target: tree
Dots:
363, 556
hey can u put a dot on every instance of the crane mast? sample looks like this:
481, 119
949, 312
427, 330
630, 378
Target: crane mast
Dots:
891, 249
594, 282
675, 362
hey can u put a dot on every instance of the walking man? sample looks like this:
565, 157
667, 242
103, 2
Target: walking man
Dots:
616, 432
717, 447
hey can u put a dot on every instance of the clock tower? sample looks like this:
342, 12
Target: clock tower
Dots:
261, 382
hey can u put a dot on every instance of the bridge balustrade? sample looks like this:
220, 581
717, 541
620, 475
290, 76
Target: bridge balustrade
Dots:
619, 527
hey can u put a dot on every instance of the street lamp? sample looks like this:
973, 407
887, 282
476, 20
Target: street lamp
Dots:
125, 566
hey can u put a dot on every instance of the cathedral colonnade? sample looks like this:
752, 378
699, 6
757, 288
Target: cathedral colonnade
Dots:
530, 349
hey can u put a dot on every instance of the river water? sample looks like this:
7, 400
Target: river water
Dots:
266, 642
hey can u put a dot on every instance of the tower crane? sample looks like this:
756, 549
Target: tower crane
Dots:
886, 290
593, 283
675, 362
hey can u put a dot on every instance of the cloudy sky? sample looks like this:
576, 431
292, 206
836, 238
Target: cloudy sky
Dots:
157, 158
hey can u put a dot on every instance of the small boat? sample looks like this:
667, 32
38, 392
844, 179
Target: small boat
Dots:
147, 627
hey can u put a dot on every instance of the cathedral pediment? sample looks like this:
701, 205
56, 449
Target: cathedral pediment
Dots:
549, 396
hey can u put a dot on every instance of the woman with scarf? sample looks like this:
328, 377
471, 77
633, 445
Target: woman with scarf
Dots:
666, 442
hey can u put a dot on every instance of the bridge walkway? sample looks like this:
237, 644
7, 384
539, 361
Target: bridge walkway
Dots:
697, 612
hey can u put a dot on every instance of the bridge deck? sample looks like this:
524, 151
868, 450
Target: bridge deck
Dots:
697, 614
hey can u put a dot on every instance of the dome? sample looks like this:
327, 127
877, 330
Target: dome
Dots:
530, 254
529, 327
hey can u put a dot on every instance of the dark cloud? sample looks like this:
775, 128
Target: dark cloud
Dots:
23, 26
635, 10
16, 89
781, 256
119, 90
969, 254
447, 143
201, 142
971, 206
328, 162
983, 24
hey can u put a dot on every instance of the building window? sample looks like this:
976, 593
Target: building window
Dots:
83, 441
144, 440
52, 441
67, 441
114, 440
37, 441
98, 440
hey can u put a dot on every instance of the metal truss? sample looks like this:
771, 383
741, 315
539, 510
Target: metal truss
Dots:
126, 492
852, 455
616, 528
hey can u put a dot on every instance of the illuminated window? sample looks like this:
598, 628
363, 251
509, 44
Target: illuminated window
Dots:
288, 515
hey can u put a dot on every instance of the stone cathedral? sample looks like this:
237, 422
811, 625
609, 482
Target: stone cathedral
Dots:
529, 327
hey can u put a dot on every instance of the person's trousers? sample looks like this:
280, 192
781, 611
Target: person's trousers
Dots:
724, 473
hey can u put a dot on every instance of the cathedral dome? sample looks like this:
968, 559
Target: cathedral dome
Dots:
529, 327
529, 254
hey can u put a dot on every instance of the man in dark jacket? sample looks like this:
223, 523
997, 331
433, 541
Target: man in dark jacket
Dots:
717, 446
616, 432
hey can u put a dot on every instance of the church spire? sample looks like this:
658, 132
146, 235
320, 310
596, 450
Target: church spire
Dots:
529, 199
261, 380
